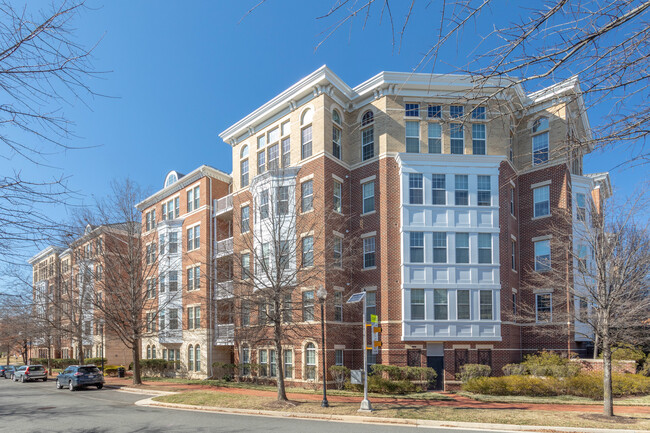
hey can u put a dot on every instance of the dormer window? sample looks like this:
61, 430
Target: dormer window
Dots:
540, 145
171, 178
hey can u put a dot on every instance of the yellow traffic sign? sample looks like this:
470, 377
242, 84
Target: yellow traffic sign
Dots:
376, 329
376, 343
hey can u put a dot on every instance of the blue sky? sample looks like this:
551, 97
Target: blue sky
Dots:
181, 72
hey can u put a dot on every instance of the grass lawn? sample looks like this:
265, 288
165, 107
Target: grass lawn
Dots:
248, 385
510, 416
560, 399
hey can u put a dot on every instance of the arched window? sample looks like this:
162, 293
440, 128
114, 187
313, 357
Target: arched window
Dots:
336, 116
197, 358
148, 352
153, 352
336, 134
190, 357
307, 117
540, 143
367, 136
244, 151
310, 361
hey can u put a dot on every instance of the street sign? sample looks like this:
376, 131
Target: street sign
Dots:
356, 377
373, 318
357, 297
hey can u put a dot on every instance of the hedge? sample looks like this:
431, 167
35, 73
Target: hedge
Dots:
473, 371
66, 362
390, 379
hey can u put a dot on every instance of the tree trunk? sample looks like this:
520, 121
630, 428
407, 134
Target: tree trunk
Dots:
137, 377
608, 402
282, 393
596, 347
81, 357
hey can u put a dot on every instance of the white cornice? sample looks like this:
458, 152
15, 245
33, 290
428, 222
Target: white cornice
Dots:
44, 253
448, 159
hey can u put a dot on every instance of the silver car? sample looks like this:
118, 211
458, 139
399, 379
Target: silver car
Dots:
30, 372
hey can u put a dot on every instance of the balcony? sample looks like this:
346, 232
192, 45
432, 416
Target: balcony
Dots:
224, 248
223, 206
223, 290
224, 335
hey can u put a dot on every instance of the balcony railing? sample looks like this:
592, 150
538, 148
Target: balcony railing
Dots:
223, 205
224, 335
223, 290
224, 248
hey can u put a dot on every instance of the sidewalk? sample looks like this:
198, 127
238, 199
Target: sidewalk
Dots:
455, 402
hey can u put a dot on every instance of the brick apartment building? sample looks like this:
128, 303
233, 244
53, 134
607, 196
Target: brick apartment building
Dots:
450, 197
61, 278
190, 319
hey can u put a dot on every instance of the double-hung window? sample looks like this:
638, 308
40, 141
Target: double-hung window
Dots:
245, 266
338, 306
243, 169
274, 157
540, 141
193, 198
439, 247
412, 137
438, 187
307, 196
543, 255
337, 188
541, 201
172, 245
369, 252
193, 238
173, 318
264, 204
417, 304
308, 306
416, 189
288, 364
462, 247
484, 193
368, 190
417, 247
336, 134
478, 139
371, 304
261, 162
173, 281
462, 190
485, 304
367, 136
513, 255
484, 248
194, 278
581, 207
286, 152
463, 309
245, 219
306, 142
308, 251
282, 200
543, 307
338, 251
457, 137
440, 304
338, 357
434, 135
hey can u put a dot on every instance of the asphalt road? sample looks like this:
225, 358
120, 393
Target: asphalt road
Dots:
40, 407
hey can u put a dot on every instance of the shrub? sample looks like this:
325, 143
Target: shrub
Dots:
154, 367
473, 371
62, 363
514, 370
390, 379
550, 364
111, 370
627, 353
340, 375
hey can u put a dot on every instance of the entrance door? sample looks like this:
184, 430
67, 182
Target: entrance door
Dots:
438, 364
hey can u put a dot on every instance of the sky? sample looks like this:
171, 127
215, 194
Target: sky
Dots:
176, 74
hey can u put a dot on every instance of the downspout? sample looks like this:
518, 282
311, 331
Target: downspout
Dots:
212, 281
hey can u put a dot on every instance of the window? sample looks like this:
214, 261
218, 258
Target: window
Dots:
412, 110
434, 111
581, 206
484, 194
307, 196
478, 113
369, 252
282, 200
151, 219
416, 190
308, 251
274, 157
543, 256
285, 128
264, 204
371, 304
435, 138
151, 288
368, 190
514, 304
310, 361
512, 201
193, 198
367, 143
457, 138
417, 304
244, 173
273, 363
541, 200
286, 152
197, 358
582, 258
246, 360
172, 246
266, 259
456, 111
190, 357
338, 196
417, 247
439, 247
478, 139
338, 306
193, 278
413, 137
261, 141
273, 135
543, 307
148, 352
305, 141
582, 309
338, 251
193, 238
540, 141
484, 248
440, 310
462, 247
151, 253
287, 308
338, 357
245, 313
513, 255
336, 140
173, 318
263, 355
162, 321
261, 162
245, 219
438, 186
173, 281
485, 302
288, 364
308, 306
462, 190
463, 309
190, 317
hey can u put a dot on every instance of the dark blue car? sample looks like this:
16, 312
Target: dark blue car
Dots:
79, 376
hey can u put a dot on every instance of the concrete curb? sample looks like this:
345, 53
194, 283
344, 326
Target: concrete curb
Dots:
153, 392
149, 402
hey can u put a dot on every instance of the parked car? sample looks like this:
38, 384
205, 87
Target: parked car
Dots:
79, 376
26, 373
6, 370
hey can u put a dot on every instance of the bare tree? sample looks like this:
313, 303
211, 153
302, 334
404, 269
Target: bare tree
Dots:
17, 327
606, 297
41, 68
288, 247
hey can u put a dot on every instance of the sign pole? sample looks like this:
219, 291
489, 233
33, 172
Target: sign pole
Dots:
365, 403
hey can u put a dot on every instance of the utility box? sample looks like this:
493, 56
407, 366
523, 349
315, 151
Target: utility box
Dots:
356, 377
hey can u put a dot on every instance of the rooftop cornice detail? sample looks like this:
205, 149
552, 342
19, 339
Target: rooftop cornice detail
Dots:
51, 249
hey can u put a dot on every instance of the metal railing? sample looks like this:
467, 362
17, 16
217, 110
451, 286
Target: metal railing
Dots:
224, 335
224, 247
223, 205
224, 290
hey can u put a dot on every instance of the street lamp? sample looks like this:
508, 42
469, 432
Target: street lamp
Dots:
321, 294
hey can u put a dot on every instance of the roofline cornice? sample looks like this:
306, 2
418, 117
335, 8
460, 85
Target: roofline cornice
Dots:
44, 253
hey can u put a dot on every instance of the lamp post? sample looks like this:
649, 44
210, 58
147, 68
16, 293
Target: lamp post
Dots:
322, 295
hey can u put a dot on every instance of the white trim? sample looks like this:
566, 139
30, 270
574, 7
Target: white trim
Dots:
368, 235
335, 177
540, 184
542, 238
368, 179
306, 178
341, 235
513, 237
309, 233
